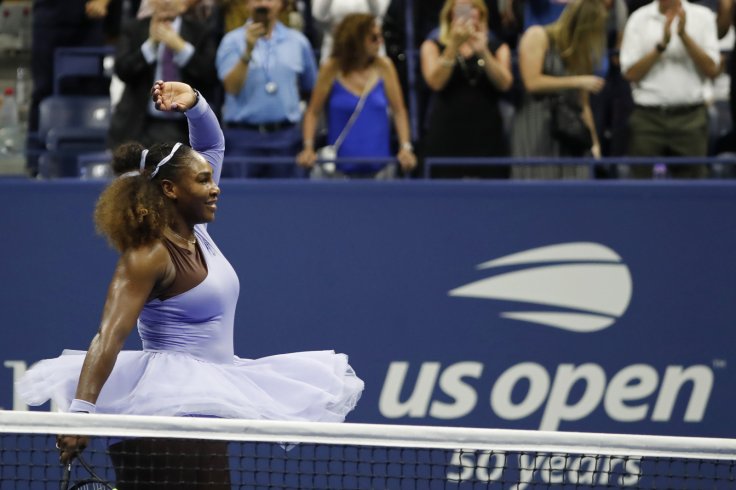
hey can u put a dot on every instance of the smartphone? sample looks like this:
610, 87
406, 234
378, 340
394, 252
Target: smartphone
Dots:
260, 15
463, 11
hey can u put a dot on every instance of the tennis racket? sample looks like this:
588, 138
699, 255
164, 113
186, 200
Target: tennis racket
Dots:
91, 482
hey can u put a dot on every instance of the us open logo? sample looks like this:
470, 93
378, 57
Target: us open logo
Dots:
587, 283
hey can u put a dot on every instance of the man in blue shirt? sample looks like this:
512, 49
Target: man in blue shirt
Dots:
265, 68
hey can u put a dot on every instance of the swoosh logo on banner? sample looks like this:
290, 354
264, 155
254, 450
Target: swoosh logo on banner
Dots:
595, 293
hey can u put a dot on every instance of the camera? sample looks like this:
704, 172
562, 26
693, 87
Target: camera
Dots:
463, 12
260, 15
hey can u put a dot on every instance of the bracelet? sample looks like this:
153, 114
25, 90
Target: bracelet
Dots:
445, 62
82, 406
407, 146
245, 58
196, 100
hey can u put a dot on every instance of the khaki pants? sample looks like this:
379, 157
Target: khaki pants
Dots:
678, 132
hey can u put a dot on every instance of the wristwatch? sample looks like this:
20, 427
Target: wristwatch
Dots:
407, 146
661, 47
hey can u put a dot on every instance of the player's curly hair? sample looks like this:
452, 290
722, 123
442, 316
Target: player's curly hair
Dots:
133, 210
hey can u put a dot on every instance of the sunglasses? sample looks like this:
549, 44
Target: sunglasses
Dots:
375, 37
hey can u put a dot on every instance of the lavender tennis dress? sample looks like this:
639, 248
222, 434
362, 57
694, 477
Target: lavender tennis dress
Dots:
188, 366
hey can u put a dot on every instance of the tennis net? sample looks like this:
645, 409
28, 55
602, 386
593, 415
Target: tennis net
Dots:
133, 452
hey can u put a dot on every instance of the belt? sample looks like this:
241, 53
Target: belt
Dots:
263, 127
670, 109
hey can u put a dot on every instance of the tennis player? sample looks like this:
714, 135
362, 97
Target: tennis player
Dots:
173, 282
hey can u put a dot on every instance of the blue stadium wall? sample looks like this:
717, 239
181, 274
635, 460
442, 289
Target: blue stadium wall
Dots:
581, 306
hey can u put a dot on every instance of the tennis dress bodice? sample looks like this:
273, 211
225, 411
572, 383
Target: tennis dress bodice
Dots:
200, 321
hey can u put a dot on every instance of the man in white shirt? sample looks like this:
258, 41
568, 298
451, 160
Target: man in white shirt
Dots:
669, 50
726, 20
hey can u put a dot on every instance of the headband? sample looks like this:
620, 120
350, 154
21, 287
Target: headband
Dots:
142, 165
164, 160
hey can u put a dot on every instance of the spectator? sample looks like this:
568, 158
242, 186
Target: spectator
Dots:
263, 66
725, 20
236, 12
55, 24
666, 41
543, 12
329, 14
557, 62
164, 46
205, 11
468, 70
359, 86
201, 9
505, 18
611, 107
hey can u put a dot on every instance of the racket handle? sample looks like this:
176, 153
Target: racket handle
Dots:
66, 475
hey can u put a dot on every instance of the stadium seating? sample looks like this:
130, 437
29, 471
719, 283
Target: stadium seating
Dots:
70, 125
88, 62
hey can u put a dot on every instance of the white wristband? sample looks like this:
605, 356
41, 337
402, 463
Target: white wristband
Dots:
82, 406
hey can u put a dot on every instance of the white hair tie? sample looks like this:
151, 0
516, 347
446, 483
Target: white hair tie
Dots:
142, 165
164, 160
132, 173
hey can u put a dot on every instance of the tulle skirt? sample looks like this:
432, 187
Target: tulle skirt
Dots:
306, 386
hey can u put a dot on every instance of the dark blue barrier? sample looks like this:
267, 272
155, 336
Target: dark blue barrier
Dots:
591, 162
235, 166
586, 306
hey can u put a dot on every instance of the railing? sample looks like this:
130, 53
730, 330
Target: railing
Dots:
237, 166
87, 163
590, 162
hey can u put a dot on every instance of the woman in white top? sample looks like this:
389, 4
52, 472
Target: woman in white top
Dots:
329, 13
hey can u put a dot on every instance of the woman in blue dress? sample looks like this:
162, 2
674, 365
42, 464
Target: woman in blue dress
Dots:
355, 70
175, 284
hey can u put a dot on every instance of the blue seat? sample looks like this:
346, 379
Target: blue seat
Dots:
70, 125
95, 165
89, 62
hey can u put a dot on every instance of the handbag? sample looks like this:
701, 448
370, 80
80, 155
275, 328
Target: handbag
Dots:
327, 155
568, 126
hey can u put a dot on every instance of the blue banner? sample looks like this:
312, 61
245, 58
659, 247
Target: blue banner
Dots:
580, 306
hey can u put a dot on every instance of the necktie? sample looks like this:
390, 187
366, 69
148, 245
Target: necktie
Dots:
169, 71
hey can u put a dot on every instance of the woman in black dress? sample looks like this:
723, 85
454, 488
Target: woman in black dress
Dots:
468, 70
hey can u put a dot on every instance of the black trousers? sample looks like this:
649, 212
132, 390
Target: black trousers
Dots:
182, 464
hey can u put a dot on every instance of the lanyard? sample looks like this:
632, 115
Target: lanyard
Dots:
271, 86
